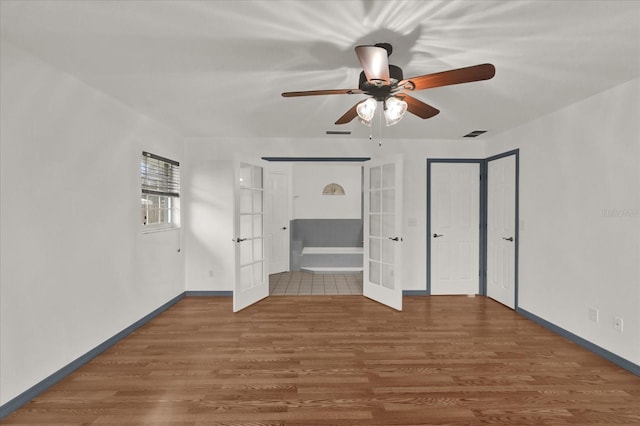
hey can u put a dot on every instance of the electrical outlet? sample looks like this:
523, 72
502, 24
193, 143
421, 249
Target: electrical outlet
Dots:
617, 324
593, 314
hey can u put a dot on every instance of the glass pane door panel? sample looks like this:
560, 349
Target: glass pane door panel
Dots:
387, 276
374, 249
257, 249
388, 200
245, 201
374, 225
257, 202
257, 177
257, 226
374, 272
246, 256
388, 250
245, 226
375, 178
257, 272
375, 201
245, 277
388, 226
388, 175
245, 175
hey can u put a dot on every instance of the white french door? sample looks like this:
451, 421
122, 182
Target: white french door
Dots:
383, 231
251, 279
455, 228
501, 231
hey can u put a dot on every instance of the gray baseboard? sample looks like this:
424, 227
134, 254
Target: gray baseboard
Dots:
415, 293
609, 356
208, 293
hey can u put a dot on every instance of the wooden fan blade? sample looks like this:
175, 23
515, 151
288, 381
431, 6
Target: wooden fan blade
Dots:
349, 115
447, 78
375, 63
417, 107
323, 92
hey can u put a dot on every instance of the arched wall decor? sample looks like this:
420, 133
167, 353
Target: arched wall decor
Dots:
333, 189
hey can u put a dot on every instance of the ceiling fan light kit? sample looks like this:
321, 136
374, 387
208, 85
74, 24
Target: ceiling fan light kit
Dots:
365, 110
385, 83
394, 110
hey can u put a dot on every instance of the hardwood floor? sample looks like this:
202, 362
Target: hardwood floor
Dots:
341, 360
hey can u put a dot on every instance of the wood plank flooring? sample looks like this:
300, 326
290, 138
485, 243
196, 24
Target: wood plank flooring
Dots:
341, 360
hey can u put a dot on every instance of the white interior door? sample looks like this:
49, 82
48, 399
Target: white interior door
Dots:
501, 213
455, 228
383, 232
251, 280
278, 196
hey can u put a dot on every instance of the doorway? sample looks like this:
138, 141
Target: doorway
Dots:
320, 203
377, 192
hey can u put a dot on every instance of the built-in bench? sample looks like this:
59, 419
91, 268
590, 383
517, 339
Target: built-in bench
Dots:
326, 245
332, 250
331, 260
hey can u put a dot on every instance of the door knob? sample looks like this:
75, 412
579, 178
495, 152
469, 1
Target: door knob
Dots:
239, 240
508, 239
284, 228
437, 235
395, 238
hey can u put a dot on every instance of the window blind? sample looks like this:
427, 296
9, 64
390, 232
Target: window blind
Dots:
160, 176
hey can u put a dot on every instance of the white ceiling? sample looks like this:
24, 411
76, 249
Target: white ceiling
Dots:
217, 68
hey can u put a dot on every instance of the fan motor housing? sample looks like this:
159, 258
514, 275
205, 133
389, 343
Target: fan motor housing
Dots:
381, 92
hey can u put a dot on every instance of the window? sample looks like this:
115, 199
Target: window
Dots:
160, 198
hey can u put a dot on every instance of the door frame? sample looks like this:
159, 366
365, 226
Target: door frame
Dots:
292, 160
483, 211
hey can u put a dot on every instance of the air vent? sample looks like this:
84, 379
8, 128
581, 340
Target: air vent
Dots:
338, 132
475, 133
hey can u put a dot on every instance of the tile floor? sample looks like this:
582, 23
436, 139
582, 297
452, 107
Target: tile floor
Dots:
306, 283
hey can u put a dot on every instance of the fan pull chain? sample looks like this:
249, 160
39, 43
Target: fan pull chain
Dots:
380, 125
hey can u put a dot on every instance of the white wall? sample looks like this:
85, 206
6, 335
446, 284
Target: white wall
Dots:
310, 179
576, 165
75, 267
208, 213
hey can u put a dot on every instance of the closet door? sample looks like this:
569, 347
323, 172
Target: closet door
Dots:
501, 231
455, 228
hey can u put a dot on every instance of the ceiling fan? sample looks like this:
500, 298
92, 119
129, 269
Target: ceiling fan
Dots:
385, 83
